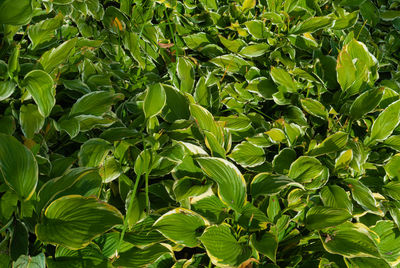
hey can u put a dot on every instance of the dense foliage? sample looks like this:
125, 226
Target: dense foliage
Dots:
199, 133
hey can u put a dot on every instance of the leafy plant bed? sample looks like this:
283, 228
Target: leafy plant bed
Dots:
209, 133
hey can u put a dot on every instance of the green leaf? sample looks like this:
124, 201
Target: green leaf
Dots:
247, 154
366, 102
350, 240
363, 196
232, 45
42, 88
44, 30
231, 184
323, 217
331, 144
197, 40
386, 122
312, 24
188, 187
336, 197
253, 51
16, 13
141, 257
93, 152
182, 226
205, 120
282, 161
370, 13
19, 240
24, 261
55, 57
154, 101
231, 63
283, 78
392, 189
389, 241
212, 143
314, 108
31, 120
346, 21
18, 167
392, 167
95, 103
73, 221
266, 243
222, 247
252, 218
305, 169
270, 184
186, 74
248, 4
6, 89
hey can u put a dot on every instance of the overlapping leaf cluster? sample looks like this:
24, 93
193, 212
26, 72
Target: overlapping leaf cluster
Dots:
199, 133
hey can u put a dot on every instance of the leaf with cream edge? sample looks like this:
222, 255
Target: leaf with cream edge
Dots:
73, 221
305, 169
331, 144
42, 88
231, 184
386, 122
182, 226
18, 166
222, 247
205, 121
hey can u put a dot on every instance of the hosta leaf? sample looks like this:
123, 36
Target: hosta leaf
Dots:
95, 103
350, 240
312, 25
223, 248
44, 30
266, 243
142, 257
41, 86
56, 56
314, 108
185, 71
366, 102
18, 166
252, 218
31, 120
16, 13
386, 122
252, 51
331, 144
182, 226
392, 189
392, 167
305, 169
336, 197
93, 152
206, 121
24, 261
231, 63
231, 184
363, 196
188, 187
283, 78
344, 159
73, 221
322, 217
248, 155
270, 184
6, 89
282, 161
154, 101
389, 241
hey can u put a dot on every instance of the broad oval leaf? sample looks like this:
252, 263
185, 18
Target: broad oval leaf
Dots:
93, 152
182, 226
30, 119
205, 120
270, 184
322, 217
231, 184
363, 196
42, 88
386, 122
16, 12
95, 103
248, 155
331, 144
312, 24
154, 101
185, 71
305, 169
266, 243
350, 240
223, 248
336, 197
283, 78
18, 166
73, 221
314, 108
142, 257
6, 89
366, 102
